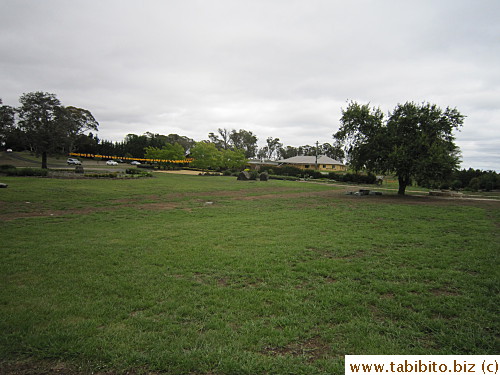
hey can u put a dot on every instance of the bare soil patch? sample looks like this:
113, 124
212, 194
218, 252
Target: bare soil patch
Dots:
312, 349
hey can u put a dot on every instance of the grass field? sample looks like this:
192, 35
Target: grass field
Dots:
208, 275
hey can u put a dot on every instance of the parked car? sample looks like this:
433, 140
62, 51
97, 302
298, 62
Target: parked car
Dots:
71, 161
9, 150
111, 162
135, 162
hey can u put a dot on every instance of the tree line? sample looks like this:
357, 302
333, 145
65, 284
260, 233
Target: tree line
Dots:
42, 125
415, 142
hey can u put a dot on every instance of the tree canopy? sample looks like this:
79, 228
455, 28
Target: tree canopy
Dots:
49, 127
235, 140
6, 121
167, 152
415, 141
207, 156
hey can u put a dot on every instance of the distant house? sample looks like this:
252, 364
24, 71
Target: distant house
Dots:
323, 164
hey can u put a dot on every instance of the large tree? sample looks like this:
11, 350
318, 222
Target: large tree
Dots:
415, 141
76, 122
272, 149
235, 140
50, 127
38, 119
167, 152
6, 121
244, 140
206, 156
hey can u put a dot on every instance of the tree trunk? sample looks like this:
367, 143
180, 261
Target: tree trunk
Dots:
404, 181
44, 160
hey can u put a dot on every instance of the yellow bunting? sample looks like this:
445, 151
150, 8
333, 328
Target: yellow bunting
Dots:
189, 160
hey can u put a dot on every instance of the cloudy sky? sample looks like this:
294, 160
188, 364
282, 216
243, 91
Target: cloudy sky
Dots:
279, 68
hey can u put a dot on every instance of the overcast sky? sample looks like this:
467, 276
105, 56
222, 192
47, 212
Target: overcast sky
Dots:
279, 68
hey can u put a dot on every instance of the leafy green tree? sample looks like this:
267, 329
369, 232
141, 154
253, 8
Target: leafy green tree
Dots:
184, 141
233, 159
288, 152
39, 120
7, 114
271, 150
332, 151
415, 142
206, 156
244, 140
221, 140
167, 152
235, 140
50, 127
76, 121
135, 144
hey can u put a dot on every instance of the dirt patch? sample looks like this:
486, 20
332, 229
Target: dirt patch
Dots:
444, 292
311, 349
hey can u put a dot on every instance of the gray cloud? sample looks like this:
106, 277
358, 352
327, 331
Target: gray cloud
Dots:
277, 68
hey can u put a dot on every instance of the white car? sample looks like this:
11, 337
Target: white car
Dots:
72, 161
135, 162
111, 162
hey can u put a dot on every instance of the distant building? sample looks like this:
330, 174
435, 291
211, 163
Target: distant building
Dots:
323, 164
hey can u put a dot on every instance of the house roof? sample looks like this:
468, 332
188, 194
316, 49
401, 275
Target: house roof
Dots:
322, 159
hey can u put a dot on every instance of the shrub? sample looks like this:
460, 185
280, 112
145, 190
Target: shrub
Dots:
456, 185
5, 167
474, 184
137, 172
357, 178
102, 175
254, 175
285, 170
133, 171
311, 173
334, 176
27, 172
285, 178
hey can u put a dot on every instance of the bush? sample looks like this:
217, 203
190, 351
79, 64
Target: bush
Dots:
254, 175
5, 167
285, 178
283, 171
474, 184
137, 172
311, 173
357, 178
456, 185
102, 175
30, 172
133, 171
27, 172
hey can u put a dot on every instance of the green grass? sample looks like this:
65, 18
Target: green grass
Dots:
271, 278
